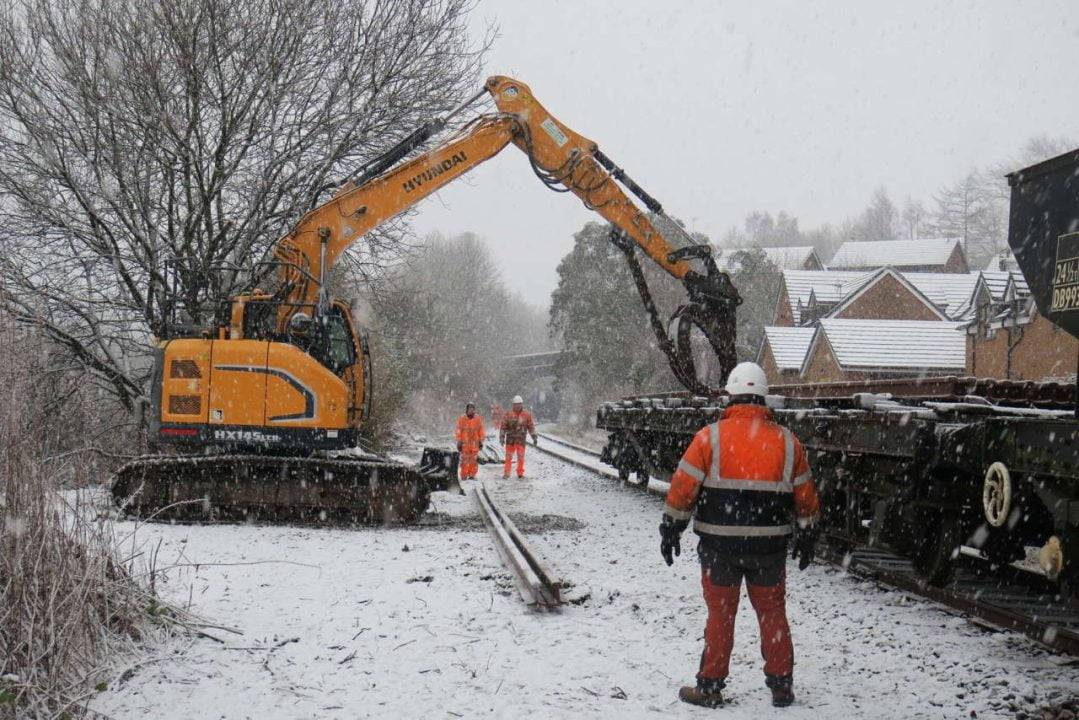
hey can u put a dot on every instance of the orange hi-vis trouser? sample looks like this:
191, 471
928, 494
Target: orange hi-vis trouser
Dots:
520, 450
470, 453
770, 603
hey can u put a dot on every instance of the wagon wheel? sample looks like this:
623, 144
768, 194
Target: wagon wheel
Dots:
997, 494
936, 547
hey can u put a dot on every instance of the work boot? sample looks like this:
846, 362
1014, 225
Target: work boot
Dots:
782, 690
709, 696
506, 476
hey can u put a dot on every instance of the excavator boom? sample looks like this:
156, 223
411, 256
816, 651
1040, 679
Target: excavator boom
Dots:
565, 161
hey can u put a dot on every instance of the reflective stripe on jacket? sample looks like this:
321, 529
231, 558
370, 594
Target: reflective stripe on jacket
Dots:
470, 430
516, 426
746, 495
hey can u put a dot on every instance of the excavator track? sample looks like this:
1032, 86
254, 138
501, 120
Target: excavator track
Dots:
273, 489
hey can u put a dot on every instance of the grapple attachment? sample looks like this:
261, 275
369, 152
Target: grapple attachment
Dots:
439, 466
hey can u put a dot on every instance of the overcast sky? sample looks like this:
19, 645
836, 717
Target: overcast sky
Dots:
721, 108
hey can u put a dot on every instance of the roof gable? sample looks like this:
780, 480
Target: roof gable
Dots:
878, 277
789, 345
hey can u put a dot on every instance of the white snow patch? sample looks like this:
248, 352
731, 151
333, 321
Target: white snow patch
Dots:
424, 622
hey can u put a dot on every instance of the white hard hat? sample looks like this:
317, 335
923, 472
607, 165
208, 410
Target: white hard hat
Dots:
747, 379
518, 399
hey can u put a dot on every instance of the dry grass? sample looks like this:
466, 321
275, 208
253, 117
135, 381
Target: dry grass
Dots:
68, 601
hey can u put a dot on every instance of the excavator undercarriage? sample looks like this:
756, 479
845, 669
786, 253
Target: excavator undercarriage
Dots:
348, 490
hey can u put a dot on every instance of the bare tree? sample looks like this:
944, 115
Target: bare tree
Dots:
880, 220
914, 217
190, 135
969, 211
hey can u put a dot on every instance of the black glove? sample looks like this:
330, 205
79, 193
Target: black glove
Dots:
670, 534
805, 545
535, 440
460, 447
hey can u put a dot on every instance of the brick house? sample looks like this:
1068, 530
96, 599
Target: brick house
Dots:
887, 299
941, 255
912, 302
1007, 338
885, 293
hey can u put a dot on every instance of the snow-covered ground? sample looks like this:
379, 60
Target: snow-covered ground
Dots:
424, 622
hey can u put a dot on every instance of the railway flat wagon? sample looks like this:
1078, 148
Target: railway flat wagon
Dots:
925, 466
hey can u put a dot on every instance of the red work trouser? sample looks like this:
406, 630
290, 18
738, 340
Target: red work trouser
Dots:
770, 602
520, 450
469, 460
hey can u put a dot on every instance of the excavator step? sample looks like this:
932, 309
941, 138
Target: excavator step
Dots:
277, 489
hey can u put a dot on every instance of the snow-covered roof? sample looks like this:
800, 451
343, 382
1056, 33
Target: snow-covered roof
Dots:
1017, 286
824, 285
896, 344
897, 253
785, 258
995, 282
789, 345
948, 291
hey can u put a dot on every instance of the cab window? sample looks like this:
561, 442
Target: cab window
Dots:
342, 353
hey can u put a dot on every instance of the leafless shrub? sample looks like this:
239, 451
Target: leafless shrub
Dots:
67, 601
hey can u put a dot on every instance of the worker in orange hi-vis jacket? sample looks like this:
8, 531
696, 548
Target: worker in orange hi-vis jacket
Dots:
516, 425
747, 480
469, 441
496, 416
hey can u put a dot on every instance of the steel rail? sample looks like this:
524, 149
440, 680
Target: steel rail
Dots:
1022, 603
571, 446
539, 587
601, 471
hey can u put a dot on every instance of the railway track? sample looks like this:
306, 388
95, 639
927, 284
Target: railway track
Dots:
1016, 600
539, 587
590, 460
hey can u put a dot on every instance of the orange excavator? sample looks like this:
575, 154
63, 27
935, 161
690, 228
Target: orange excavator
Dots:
281, 378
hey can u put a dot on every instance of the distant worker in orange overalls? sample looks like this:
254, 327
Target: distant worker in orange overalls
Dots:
496, 416
469, 441
516, 424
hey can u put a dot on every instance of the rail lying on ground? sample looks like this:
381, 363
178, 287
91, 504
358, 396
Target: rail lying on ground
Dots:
1012, 600
1017, 600
537, 584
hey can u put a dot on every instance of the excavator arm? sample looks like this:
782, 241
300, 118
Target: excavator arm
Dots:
565, 161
